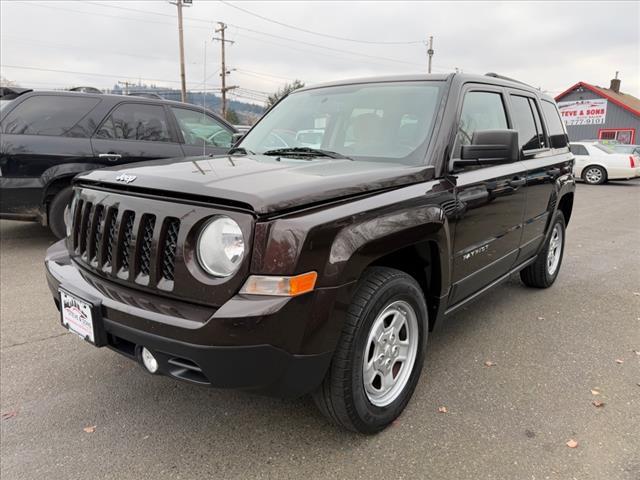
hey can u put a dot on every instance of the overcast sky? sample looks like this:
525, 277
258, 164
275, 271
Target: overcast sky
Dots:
549, 45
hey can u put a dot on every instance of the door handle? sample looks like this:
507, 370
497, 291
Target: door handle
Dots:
112, 157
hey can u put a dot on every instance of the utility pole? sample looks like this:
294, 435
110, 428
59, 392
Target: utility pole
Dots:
126, 86
183, 82
430, 52
224, 72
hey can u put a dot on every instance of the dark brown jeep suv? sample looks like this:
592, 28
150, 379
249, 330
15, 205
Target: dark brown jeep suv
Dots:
317, 255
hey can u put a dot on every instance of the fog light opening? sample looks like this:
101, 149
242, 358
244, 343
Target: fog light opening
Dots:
149, 361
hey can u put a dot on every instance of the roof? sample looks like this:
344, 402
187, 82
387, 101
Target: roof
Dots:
623, 100
490, 78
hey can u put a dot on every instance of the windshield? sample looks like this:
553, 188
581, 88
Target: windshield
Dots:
372, 122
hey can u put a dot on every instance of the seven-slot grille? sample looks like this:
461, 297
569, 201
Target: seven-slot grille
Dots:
120, 242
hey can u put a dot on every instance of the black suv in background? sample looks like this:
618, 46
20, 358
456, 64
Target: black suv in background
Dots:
293, 269
49, 137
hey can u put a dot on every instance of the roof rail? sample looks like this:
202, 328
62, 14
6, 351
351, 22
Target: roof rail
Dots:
502, 77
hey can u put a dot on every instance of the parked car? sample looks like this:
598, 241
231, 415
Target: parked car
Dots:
296, 270
49, 137
597, 163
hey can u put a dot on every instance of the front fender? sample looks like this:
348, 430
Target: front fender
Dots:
64, 171
341, 240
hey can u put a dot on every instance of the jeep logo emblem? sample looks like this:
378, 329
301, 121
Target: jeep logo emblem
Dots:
125, 178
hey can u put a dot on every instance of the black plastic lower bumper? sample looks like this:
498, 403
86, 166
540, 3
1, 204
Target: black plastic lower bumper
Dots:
261, 368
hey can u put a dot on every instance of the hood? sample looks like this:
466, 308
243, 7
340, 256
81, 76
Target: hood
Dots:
264, 184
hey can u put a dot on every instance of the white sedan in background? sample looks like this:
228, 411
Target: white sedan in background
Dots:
596, 163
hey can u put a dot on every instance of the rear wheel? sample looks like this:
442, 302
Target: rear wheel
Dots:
594, 175
56, 212
544, 271
379, 357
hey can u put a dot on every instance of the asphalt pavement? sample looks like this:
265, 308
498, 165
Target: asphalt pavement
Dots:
553, 353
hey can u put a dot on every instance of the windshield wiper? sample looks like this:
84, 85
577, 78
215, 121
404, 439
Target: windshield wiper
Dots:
240, 150
305, 152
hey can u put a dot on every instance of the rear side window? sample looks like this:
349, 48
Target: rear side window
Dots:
481, 111
48, 115
530, 136
555, 127
578, 149
135, 121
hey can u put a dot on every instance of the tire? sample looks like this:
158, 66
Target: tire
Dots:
56, 212
544, 271
383, 295
594, 175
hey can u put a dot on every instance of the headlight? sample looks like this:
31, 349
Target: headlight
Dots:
221, 246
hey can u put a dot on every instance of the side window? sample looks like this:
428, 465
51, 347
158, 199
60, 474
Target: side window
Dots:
53, 115
198, 128
480, 111
578, 149
135, 121
555, 127
529, 129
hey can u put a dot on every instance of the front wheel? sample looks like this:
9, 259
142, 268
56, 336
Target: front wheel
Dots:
544, 271
379, 357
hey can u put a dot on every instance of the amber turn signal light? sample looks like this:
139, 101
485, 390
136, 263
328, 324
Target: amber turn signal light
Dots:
280, 286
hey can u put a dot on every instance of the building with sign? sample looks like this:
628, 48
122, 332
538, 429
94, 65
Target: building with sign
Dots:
592, 112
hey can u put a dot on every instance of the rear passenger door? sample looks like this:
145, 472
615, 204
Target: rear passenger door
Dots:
490, 200
133, 132
201, 133
544, 166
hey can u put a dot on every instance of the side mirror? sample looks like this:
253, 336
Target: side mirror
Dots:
235, 138
558, 141
489, 147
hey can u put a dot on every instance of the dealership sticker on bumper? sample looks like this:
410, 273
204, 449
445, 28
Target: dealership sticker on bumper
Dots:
77, 316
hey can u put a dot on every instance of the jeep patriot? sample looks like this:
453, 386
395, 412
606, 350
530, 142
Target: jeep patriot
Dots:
290, 266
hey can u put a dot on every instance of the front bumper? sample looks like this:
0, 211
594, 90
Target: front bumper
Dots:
276, 346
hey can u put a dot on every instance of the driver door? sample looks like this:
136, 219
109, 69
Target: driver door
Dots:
202, 134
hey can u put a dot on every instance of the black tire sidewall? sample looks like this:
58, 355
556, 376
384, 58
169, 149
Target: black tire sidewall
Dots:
376, 418
558, 219
56, 211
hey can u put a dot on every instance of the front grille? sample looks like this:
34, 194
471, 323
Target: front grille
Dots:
170, 246
117, 240
111, 235
144, 254
126, 240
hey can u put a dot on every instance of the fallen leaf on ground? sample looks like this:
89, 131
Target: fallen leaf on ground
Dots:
442, 409
540, 318
572, 443
636, 294
595, 392
90, 429
637, 352
489, 363
8, 415
598, 403
619, 361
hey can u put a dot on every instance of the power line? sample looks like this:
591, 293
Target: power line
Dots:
288, 39
271, 20
90, 74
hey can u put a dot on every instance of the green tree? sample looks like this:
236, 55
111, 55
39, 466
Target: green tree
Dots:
232, 117
285, 90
